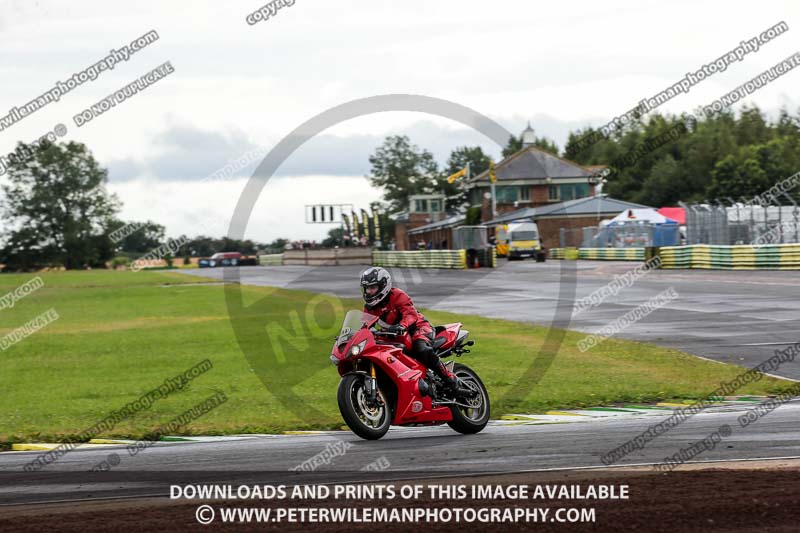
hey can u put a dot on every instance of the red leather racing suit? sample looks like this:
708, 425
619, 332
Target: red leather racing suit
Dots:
398, 309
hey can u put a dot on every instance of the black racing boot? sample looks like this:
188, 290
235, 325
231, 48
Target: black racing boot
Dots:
450, 379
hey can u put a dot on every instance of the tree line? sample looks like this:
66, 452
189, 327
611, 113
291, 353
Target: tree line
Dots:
659, 161
57, 212
729, 157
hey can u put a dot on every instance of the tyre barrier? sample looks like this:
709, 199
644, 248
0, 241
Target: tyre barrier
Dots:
735, 257
599, 254
421, 259
486, 257
612, 254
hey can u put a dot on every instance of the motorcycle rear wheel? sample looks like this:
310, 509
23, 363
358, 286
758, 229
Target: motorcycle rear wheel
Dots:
368, 422
470, 420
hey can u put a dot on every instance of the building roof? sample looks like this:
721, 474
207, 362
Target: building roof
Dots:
400, 216
534, 163
588, 206
528, 212
591, 205
453, 220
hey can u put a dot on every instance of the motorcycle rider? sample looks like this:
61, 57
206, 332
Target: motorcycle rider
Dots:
395, 307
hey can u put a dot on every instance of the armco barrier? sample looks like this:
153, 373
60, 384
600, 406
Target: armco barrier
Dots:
328, 256
612, 254
421, 259
736, 257
271, 259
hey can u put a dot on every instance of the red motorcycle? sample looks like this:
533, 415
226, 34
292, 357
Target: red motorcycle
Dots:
383, 385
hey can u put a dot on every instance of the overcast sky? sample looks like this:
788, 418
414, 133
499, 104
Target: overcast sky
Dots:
239, 87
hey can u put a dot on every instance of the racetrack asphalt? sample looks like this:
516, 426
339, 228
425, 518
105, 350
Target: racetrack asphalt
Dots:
738, 317
412, 453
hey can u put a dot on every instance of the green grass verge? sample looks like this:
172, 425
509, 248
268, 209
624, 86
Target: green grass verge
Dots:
122, 334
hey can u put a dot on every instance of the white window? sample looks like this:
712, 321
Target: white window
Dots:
553, 192
525, 194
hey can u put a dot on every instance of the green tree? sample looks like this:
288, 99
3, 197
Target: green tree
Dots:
473, 216
514, 145
736, 178
402, 169
456, 192
278, 244
204, 246
335, 238
725, 155
56, 208
144, 237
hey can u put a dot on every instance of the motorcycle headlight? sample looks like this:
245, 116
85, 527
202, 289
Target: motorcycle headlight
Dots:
357, 349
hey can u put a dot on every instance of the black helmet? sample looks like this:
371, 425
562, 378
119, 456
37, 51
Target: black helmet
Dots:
375, 277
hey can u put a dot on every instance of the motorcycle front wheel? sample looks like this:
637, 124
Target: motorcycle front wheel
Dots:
369, 422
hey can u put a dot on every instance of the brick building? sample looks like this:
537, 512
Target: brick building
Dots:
532, 177
423, 209
572, 215
532, 184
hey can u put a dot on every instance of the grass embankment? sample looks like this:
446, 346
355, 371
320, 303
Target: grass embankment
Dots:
121, 334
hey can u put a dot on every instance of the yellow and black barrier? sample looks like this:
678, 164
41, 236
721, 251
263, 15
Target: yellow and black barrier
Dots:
599, 254
421, 259
612, 254
735, 257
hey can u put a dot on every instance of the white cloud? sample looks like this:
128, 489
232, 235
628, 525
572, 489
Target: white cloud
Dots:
562, 65
207, 207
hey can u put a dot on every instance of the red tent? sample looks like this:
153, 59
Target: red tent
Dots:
678, 214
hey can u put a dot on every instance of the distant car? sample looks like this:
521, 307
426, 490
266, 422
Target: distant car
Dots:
227, 259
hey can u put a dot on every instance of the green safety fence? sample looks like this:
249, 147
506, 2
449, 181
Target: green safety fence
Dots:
421, 259
599, 254
736, 257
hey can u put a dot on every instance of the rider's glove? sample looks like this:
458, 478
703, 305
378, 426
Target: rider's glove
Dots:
398, 329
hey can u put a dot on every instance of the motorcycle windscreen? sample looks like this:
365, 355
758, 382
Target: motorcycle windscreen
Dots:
353, 321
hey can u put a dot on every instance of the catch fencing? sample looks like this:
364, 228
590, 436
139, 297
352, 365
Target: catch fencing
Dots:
630, 235
742, 224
